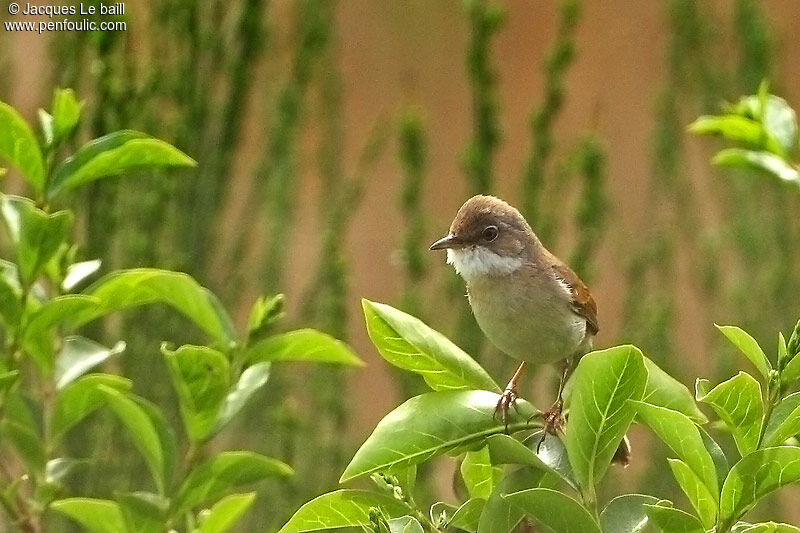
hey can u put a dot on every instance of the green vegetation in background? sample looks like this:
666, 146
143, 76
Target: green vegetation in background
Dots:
50, 383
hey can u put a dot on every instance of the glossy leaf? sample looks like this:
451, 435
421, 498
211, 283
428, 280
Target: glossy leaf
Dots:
626, 514
78, 356
554, 510
166, 435
201, 377
755, 476
771, 527
81, 398
760, 161
97, 516
682, 436
429, 425
467, 517
66, 114
143, 512
140, 429
499, 515
738, 403
226, 512
478, 473
780, 121
600, 414
78, 272
18, 146
735, 128
129, 151
302, 345
410, 344
10, 294
671, 520
225, 472
792, 369
252, 379
665, 391
784, 421
37, 337
124, 289
749, 347
36, 236
704, 503
404, 524
58, 469
343, 508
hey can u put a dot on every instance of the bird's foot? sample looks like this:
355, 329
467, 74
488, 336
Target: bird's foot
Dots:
553, 418
507, 400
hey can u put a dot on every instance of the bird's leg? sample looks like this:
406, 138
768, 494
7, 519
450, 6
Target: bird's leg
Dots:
509, 397
553, 421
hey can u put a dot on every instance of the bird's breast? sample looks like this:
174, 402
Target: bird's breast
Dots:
528, 317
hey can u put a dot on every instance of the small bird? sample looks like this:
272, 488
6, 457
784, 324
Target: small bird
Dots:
529, 304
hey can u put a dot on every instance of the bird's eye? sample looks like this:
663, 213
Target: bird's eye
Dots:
490, 233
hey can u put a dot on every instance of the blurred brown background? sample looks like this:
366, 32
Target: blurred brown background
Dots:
674, 255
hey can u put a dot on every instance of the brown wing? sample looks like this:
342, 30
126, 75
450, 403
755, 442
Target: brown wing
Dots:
582, 300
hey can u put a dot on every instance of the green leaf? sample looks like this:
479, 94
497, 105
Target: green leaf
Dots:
263, 316
342, 508
36, 236
736, 128
760, 161
599, 411
201, 377
429, 425
302, 345
755, 476
143, 512
665, 391
27, 443
78, 356
738, 403
405, 524
780, 121
226, 512
141, 430
683, 437
136, 152
225, 472
37, 336
58, 469
441, 513
46, 123
784, 421
479, 475
467, 517
498, 515
626, 514
408, 343
81, 398
166, 435
124, 289
671, 520
554, 510
252, 379
77, 272
97, 516
66, 114
771, 527
698, 494
19, 147
10, 295
749, 347
551, 455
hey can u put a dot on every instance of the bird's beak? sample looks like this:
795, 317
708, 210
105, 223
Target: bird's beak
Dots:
451, 241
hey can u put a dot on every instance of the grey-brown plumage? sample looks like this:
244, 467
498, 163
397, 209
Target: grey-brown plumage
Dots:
529, 303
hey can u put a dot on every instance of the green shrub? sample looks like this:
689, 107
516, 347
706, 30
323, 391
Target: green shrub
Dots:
49, 377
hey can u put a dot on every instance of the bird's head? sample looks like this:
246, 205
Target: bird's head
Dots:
487, 238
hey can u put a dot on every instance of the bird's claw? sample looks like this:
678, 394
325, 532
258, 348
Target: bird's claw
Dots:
507, 400
553, 419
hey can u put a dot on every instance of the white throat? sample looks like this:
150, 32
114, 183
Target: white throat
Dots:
476, 262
